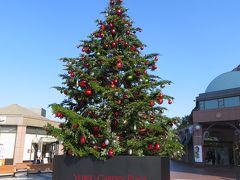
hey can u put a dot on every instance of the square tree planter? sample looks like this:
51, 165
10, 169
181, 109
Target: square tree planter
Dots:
116, 168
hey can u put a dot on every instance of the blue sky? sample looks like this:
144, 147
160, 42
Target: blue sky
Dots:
198, 40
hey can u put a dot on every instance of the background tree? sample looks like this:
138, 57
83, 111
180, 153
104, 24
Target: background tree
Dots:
113, 103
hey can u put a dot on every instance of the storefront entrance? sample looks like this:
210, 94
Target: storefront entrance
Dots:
218, 153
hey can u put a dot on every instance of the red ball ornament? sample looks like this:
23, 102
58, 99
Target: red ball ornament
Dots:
112, 85
88, 92
126, 44
59, 115
119, 40
113, 31
86, 65
111, 25
152, 103
112, 3
154, 67
133, 48
116, 114
106, 46
75, 126
119, 12
83, 84
103, 27
128, 32
120, 1
119, 65
142, 131
101, 35
115, 81
146, 63
104, 145
110, 153
125, 96
82, 140
157, 147
161, 95
71, 73
114, 44
170, 101
160, 101
150, 147
156, 58
83, 58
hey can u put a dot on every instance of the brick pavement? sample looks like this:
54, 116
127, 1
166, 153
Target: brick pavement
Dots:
182, 171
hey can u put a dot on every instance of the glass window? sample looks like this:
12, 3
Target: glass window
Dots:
8, 129
212, 104
232, 101
201, 105
220, 103
35, 130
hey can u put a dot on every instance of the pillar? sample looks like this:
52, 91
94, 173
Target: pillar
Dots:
198, 141
19, 144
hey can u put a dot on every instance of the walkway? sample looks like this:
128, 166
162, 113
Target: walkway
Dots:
182, 171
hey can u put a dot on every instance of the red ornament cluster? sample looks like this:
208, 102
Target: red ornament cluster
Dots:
154, 147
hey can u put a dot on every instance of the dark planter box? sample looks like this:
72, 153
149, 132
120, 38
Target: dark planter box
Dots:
116, 168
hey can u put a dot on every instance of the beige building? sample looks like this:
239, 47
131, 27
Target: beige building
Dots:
22, 135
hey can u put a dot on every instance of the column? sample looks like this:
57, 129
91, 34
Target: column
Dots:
198, 144
19, 144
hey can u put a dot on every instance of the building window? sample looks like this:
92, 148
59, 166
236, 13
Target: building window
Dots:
220, 103
232, 101
201, 105
36, 130
8, 129
212, 104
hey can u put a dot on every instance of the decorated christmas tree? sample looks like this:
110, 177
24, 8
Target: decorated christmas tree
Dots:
113, 101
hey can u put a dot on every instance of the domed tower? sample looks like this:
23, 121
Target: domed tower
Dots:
216, 120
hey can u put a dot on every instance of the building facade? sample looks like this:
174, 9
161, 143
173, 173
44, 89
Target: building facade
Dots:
22, 136
216, 121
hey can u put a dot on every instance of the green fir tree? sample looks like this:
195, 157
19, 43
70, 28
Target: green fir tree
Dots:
113, 103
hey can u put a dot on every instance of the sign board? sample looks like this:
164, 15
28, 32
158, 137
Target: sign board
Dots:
198, 153
3, 119
115, 168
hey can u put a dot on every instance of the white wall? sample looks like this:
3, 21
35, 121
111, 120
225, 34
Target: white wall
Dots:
8, 142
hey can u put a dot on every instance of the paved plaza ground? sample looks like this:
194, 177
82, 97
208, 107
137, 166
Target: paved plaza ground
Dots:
182, 171
179, 171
